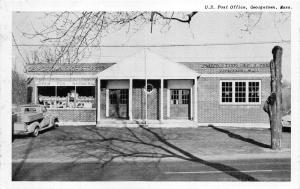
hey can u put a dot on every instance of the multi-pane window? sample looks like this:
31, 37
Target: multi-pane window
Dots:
185, 97
240, 92
118, 96
226, 91
180, 96
253, 88
113, 96
174, 96
123, 96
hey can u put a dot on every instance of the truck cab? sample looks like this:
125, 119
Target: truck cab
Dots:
32, 119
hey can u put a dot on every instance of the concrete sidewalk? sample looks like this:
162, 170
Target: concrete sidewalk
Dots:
83, 144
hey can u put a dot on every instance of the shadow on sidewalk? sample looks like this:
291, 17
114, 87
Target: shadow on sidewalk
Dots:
133, 143
108, 144
239, 137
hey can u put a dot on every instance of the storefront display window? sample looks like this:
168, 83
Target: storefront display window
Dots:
67, 96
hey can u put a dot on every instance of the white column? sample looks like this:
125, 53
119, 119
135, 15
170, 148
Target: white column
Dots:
191, 103
168, 103
161, 100
195, 100
107, 102
130, 100
98, 100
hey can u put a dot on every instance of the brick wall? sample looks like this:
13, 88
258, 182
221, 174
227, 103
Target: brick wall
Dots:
74, 115
103, 103
210, 110
139, 103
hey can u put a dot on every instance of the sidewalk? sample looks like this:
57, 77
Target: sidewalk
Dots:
83, 144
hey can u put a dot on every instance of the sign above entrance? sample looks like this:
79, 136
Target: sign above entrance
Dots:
219, 68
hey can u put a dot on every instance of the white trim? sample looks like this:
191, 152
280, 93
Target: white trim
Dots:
61, 76
161, 100
148, 78
196, 100
98, 100
168, 102
245, 125
233, 93
107, 102
191, 103
153, 77
236, 75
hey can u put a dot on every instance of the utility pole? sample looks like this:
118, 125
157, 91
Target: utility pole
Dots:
275, 107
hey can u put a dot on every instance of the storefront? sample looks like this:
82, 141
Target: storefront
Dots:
147, 86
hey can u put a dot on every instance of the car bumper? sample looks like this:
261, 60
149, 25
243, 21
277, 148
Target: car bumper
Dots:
19, 132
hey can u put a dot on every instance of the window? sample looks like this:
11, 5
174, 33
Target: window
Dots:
123, 96
226, 91
67, 96
240, 92
113, 96
253, 89
180, 96
185, 96
118, 96
174, 96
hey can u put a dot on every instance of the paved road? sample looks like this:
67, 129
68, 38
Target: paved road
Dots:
233, 170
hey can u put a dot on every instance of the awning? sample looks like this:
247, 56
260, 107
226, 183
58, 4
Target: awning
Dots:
146, 64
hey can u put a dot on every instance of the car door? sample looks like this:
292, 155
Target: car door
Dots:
46, 120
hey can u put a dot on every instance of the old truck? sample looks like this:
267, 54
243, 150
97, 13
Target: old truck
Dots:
32, 119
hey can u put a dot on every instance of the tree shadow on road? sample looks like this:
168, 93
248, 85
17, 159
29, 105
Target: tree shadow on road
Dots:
20, 165
136, 144
239, 137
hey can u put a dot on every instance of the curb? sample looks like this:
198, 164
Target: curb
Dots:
222, 157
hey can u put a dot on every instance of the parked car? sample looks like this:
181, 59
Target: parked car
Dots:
32, 119
286, 120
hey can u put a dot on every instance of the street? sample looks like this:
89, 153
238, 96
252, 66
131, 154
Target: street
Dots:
233, 170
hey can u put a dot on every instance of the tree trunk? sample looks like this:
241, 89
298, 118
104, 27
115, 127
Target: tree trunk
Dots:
275, 109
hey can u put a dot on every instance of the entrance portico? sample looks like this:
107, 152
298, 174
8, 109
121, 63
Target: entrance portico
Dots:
146, 86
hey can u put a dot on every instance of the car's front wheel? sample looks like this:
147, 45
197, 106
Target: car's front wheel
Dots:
36, 132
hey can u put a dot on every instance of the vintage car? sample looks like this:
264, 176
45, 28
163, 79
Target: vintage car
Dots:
286, 120
32, 119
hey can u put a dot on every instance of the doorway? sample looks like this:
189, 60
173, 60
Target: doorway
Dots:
180, 102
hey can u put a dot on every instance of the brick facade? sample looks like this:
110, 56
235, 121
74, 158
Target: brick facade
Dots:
211, 111
209, 108
74, 115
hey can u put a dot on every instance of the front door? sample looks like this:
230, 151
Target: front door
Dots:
180, 104
118, 103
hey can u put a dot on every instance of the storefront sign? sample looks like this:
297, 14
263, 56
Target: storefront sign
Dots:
234, 65
219, 68
80, 67
65, 82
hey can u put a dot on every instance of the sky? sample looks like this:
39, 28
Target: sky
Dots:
205, 28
